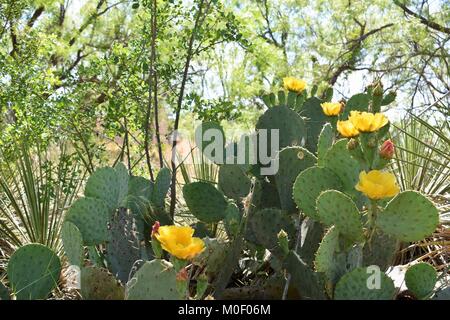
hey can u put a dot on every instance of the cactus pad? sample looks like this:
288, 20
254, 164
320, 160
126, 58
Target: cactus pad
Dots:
98, 284
155, 280
292, 130
315, 120
410, 216
205, 202
233, 182
232, 220
335, 208
123, 249
308, 186
358, 102
421, 279
381, 251
91, 216
267, 223
325, 256
361, 284
104, 184
33, 272
162, 184
292, 161
73, 243
324, 143
122, 181
339, 160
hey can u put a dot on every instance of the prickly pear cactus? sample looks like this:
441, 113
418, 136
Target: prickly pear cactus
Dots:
155, 280
292, 161
335, 208
109, 185
325, 142
292, 129
325, 257
98, 284
421, 279
232, 220
315, 120
267, 223
309, 283
358, 285
233, 182
358, 102
380, 251
73, 243
4, 292
410, 216
308, 186
339, 160
91, 216
205, 202
33, 272
124, 246
161, 187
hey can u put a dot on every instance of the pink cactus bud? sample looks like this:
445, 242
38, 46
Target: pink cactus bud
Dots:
155, 228
182, 275
387, 150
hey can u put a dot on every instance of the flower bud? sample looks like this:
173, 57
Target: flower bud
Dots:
352, 144
387, 150
283, 241
182, 275
155, 228
378, 89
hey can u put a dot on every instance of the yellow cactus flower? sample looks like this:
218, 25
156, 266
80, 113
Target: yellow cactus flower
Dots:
331, 108
377, 184
346, 129
294, 84
366, 121
179, 242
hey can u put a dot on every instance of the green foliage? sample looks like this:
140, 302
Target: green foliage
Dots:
326, 139
33, 271
421, 279
233, 182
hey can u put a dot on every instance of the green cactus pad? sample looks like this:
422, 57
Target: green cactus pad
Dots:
140, 192
203, 143
233, 182
310, 284
161, 187
292, 161
73, 243
33, 272
155, 280
281, 98
410, 216
122, 181
91, 216
4, 293
325, 142
268, 196
232, 220
292, 130
308, 186
267, 223
315, 120
325, 256
380, 251
205, 202
335, 208
339, 160
421, 279
361, 284
123, 249
312, 233
358, 102
104, 184
213, 256
98, 284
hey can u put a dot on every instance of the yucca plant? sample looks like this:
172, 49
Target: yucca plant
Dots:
35, 190
423, 154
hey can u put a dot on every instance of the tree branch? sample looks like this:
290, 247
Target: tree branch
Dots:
423, 20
